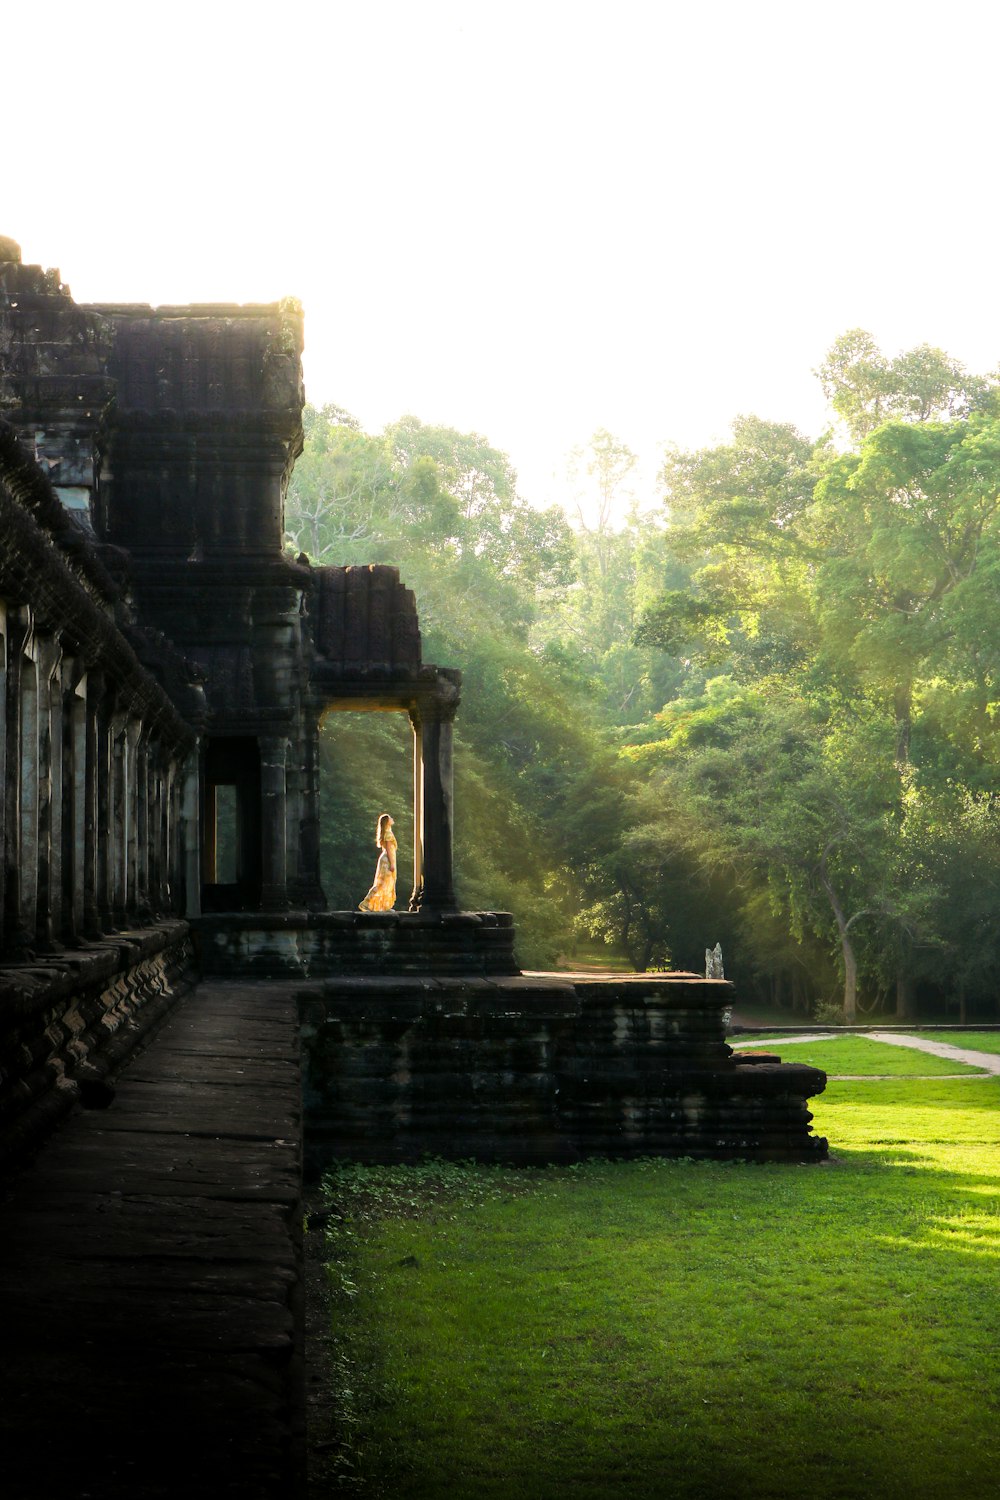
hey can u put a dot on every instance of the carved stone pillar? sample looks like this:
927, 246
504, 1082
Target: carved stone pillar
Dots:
141, 821
274, 852
28, 790
50, 801
118, 804
418, 811
17, 625
155, 864
308, 886
95, 799
3, 770
133, 791
182, 832
76, 884
437, 715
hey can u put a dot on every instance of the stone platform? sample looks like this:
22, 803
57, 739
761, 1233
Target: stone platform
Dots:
150, 1273
318, 944
536, 1068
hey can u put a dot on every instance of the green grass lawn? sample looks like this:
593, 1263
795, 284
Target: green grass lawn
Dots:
861, 1057
979, 1041
680, 1329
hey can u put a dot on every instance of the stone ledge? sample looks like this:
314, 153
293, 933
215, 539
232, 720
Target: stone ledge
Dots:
319, 944
70, 1021
300, 918
28, 987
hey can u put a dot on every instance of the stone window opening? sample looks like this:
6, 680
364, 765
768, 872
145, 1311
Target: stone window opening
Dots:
232, 841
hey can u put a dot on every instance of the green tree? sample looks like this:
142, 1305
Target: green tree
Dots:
443, 506
866, 388
620, 564
860, 588
907, 534
796, 798
735, 516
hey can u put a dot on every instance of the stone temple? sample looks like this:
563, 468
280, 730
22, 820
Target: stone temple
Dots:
175, 995
165, 666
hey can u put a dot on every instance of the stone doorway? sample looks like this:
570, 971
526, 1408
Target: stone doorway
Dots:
231, 825
365, 768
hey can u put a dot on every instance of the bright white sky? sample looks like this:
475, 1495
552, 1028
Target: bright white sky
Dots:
531, 218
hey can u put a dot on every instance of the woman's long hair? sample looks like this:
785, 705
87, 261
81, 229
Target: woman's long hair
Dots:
381, 828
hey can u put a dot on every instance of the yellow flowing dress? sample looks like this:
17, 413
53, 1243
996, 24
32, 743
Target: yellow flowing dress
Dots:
382, 896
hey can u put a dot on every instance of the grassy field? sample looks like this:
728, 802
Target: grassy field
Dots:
979, 1041
856, 1055
681, 1329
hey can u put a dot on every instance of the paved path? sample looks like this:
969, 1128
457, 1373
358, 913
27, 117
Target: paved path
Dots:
989, 1061
150, 1274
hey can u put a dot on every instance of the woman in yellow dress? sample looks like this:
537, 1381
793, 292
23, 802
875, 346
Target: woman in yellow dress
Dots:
382, 896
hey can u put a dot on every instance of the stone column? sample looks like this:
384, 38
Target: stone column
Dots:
273, 823
50, 800
154, 824
78, 773
437, 716
63, 790
95, 798
104, 809
133, 734
418, 811
141, 821
309, 887
28, 792
3, 770
118, 818
183, 844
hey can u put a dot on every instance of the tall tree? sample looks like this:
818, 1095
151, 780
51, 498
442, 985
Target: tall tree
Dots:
866, 388
860, 586
908, 531
443, 505
599, 473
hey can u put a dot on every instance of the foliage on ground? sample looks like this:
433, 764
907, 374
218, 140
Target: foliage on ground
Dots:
697, 1329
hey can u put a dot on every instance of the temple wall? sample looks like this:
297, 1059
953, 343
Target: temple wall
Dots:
93, 754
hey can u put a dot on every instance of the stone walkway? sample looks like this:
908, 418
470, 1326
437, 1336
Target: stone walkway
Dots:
150, 1274
988, 1061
